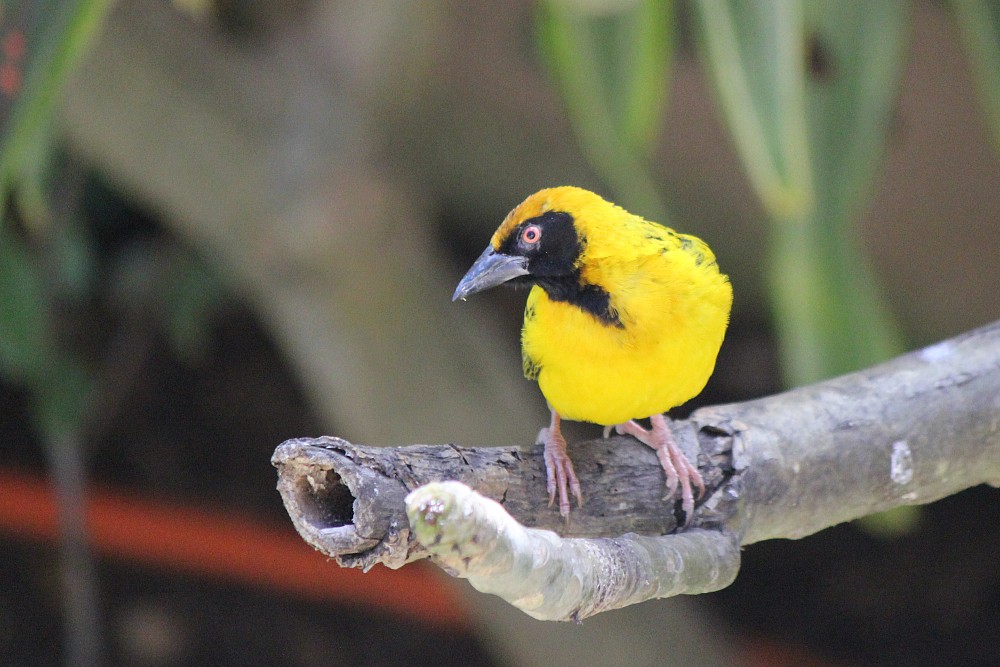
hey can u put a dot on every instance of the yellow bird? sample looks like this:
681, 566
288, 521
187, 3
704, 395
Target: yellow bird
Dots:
624, 321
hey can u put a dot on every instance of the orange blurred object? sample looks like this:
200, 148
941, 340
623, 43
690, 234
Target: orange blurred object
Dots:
228, 546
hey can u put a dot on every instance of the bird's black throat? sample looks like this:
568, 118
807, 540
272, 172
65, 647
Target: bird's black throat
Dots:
590, 299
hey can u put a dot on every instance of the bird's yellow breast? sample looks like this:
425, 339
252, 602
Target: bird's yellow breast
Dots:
672, 305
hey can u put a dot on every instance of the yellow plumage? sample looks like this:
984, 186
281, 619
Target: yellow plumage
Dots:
668, 293
624, 321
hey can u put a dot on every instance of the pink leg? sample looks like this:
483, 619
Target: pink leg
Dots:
677, 466
559, 473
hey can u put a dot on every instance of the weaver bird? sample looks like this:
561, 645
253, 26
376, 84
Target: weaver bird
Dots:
624, 321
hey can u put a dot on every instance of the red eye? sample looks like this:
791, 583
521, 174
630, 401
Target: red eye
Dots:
531, 234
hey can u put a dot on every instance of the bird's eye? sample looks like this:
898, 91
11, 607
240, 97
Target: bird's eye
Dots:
531, 234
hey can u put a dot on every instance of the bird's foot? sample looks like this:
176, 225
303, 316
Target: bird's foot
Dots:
675, 464
559, 474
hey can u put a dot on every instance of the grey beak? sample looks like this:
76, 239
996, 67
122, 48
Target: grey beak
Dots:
491, 269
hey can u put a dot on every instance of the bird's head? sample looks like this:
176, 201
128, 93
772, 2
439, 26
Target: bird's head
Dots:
542, 241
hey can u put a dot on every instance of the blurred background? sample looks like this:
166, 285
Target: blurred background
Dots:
230, 223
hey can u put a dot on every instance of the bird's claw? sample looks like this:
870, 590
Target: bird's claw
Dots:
675, 464
560, 478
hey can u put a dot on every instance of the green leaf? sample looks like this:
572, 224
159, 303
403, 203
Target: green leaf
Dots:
612, 62
641, 53
24, 332
807, 88
856, 51
74, 258
61, 398
58, 36
979, 25
192, 294
755, 55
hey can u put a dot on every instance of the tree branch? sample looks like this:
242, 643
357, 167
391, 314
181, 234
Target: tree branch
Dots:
906, 432
552, 578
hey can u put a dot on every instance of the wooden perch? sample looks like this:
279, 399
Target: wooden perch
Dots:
347, 500
907, 432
